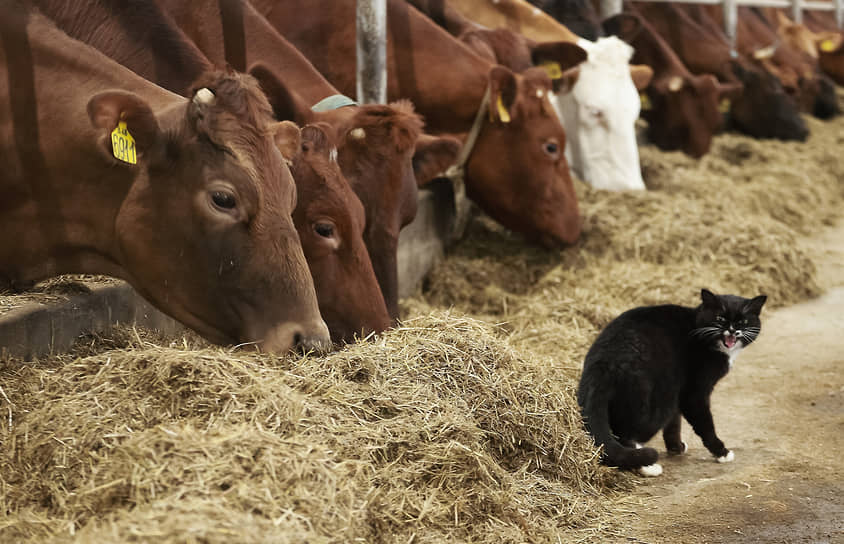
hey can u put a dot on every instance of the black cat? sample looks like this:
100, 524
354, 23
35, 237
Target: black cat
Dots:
651, 365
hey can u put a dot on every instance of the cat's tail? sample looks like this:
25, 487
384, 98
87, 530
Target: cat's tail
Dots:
594, 406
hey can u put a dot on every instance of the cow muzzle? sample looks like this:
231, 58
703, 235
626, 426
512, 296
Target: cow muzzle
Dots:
301, 337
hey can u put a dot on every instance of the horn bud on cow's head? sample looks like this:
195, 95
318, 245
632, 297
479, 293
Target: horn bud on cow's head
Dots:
357, 133
204, 96
675, 83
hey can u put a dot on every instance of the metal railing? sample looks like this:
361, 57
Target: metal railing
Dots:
613, 7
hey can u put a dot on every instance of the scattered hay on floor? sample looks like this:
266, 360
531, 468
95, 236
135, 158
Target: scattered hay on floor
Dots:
436, 431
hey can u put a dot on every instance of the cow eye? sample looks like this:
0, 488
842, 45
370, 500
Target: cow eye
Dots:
326, 230
551, 148
224, 200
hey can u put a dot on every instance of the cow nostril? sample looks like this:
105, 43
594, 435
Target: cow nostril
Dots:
297, 339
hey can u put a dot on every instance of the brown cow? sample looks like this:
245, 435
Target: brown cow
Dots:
684, 108
813, 91
376, 143
132, 32
516, 172
330, 219
196, 215
825, 46
763, 109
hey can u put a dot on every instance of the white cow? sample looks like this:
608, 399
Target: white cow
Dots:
599, 115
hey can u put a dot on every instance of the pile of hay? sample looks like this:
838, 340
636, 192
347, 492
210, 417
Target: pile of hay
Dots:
438, 431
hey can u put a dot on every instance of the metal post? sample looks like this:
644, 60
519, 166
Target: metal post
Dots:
797, 11
372, 51
730, 22
610, 8
839, 13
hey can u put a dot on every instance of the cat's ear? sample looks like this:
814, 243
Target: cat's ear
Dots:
755, 305
709, 298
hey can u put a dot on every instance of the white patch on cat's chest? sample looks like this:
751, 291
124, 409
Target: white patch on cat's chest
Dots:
731, 352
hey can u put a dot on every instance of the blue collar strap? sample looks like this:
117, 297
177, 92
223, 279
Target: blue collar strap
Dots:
333, 102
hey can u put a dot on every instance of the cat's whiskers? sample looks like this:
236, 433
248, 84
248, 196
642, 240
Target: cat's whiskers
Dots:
707, 332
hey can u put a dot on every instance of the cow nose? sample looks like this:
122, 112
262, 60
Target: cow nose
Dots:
305, 337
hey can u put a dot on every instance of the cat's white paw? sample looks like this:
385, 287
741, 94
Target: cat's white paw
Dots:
651, 470
726, 458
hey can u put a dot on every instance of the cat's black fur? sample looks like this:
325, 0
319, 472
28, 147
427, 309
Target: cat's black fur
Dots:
653, 364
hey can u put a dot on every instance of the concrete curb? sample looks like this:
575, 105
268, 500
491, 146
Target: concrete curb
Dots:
36, 329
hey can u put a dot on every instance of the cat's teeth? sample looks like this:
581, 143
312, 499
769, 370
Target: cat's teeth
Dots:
726, 458
651, 470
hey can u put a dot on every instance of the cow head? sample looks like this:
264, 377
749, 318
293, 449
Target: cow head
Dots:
684, 111
764, 109
600, 114
517, 172
330, 219
376, 145
205, 231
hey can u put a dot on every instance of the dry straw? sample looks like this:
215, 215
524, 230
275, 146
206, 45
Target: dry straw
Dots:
459, 426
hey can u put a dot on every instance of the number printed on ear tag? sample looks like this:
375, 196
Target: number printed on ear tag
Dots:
123, 145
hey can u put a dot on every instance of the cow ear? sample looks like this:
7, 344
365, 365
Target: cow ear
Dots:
641, 74
564, 54
285, 105
503, 91
287, 138
626, 26
314, 140
108, 109
829, 42
565, 83
729, 91
433, 155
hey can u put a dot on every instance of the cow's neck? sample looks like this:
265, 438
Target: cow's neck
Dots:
64, 194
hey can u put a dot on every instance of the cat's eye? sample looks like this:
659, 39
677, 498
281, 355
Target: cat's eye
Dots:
720, 319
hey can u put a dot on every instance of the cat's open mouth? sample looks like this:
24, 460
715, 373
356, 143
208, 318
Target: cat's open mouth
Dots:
729, 340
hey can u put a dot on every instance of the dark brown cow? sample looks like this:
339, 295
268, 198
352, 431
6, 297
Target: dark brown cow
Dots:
200, 225
799, 76
684, 108
517, 172
376, 143
350, 299
763, 109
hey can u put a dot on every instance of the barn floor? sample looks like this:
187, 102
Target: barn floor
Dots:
781, 409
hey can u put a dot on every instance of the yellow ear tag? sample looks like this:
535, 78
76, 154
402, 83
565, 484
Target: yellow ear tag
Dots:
827, 46
123, 145
724, 105
553, 69
646, 102
503, 114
